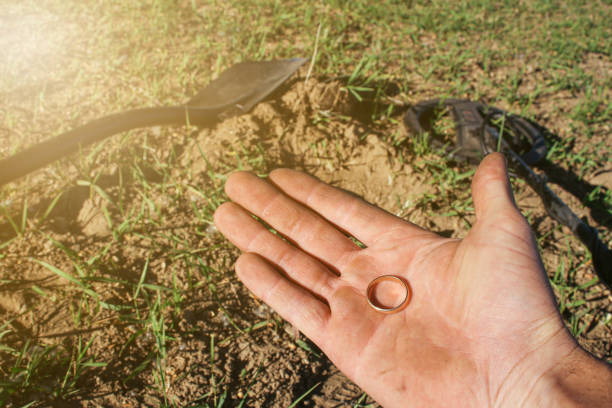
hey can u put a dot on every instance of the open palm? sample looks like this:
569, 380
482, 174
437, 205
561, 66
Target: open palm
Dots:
481, 321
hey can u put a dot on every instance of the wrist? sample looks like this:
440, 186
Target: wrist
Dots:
579, 380
553, 371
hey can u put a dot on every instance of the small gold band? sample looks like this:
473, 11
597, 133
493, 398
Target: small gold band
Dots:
391, 278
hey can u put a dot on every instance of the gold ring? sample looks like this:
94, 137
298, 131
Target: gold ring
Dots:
392, 278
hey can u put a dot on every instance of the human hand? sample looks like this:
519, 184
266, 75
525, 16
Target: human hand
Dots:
481, 329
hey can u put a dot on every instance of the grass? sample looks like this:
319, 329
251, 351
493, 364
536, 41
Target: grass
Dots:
114, 304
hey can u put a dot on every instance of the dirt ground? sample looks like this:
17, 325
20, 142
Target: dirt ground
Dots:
347, 151
156, 295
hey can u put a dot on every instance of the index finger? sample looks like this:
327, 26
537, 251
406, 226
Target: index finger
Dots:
359, 218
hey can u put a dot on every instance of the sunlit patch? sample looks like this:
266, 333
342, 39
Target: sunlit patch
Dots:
31, 43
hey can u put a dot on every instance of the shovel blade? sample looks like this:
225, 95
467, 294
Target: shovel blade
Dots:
245, 84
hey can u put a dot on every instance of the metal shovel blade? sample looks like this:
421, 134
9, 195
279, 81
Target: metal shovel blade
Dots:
235, 90
245, 84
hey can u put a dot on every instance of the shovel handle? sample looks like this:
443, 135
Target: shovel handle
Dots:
46, 152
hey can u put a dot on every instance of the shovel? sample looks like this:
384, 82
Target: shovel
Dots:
234, 92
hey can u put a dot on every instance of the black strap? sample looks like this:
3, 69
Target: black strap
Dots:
478, 129
474, 131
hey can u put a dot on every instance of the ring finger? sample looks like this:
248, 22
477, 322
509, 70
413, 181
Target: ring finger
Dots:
303, 226
251, 236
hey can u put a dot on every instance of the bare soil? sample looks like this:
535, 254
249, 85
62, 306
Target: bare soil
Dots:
218, 337
316, 127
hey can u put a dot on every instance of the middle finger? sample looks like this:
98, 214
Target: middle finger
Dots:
303, 226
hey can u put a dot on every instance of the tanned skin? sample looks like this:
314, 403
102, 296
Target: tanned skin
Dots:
482, 328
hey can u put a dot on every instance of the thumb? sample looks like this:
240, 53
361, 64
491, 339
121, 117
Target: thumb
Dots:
491, 189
